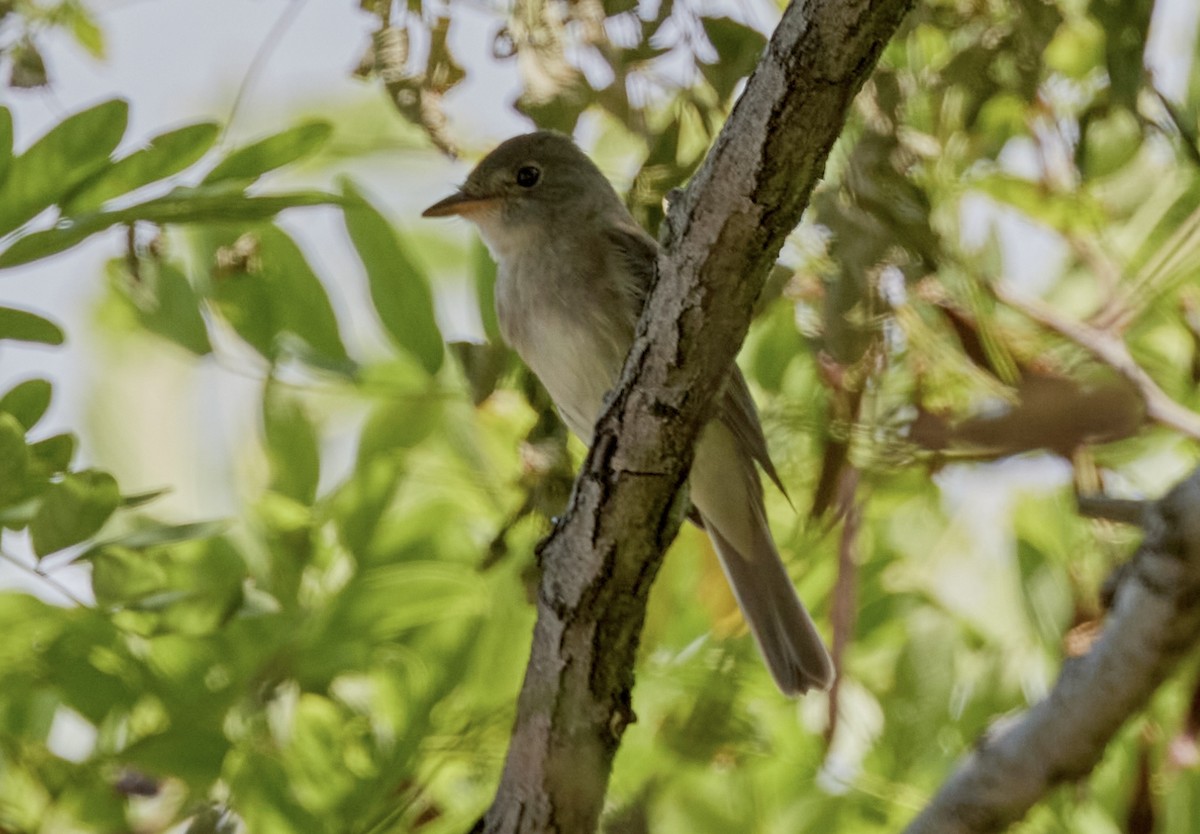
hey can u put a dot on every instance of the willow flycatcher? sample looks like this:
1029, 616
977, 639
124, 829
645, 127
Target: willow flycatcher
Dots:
574, 273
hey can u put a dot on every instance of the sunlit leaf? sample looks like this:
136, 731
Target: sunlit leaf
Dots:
401, 424
252, 161
92, 674
292, 446
205, 746
85, 31
1109, 142
154, 533
303, 303
121, 574
360, 502
1077, 48
1064, 211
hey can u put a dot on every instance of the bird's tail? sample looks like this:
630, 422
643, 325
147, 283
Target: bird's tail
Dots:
726, 490
786, 636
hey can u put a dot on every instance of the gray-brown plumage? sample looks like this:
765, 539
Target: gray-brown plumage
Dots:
574, 271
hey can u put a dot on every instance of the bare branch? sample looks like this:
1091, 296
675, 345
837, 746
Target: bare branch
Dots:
723, 235
1154, 621
1112, 351
1120, 510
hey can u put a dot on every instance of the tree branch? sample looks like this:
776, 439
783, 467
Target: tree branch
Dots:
1110, 349
1153, 622
723, 235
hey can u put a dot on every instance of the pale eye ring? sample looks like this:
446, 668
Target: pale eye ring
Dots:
528, 176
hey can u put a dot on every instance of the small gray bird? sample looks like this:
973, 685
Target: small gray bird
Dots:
574, 273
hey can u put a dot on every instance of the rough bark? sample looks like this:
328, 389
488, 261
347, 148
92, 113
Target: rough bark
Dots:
1153, 621
723, 235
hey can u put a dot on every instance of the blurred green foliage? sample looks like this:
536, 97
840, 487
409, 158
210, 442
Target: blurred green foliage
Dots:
343, 653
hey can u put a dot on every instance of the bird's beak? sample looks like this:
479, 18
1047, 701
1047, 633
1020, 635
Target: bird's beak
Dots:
458, 203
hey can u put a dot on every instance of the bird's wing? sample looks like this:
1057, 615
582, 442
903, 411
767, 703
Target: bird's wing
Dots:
638, 253
736, 409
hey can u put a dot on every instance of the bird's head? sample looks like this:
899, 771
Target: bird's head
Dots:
540, 180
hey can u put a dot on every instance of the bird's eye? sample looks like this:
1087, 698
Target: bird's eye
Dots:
528, 176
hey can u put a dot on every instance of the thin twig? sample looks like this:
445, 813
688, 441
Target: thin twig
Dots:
35, 570
1191, 142
1120, 510
259, 62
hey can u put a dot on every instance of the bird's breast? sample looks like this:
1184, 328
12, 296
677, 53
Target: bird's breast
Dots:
571, 329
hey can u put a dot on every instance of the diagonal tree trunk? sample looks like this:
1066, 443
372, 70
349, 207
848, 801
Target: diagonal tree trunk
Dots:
723, 235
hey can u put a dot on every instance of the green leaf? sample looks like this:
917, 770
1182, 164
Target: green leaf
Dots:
361, 501
399, 288
165, 155
155, 533
27, 401
6, 143
220, 204
48, 242
191, 753
300, 296
292, 446
1072, 211
1110, 141
14, 461
482, 365
1077, 48
90, 687
398, 424
55, 452
71, 152
73, 509
87, 33
1126, 25
165, 304
23, 326
483, 270
738, 47
252, 161
121, 574
279, 294
385, 601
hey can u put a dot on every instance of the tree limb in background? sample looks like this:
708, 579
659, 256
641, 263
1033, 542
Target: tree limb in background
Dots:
1110, 348
1153, 621
723, 235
